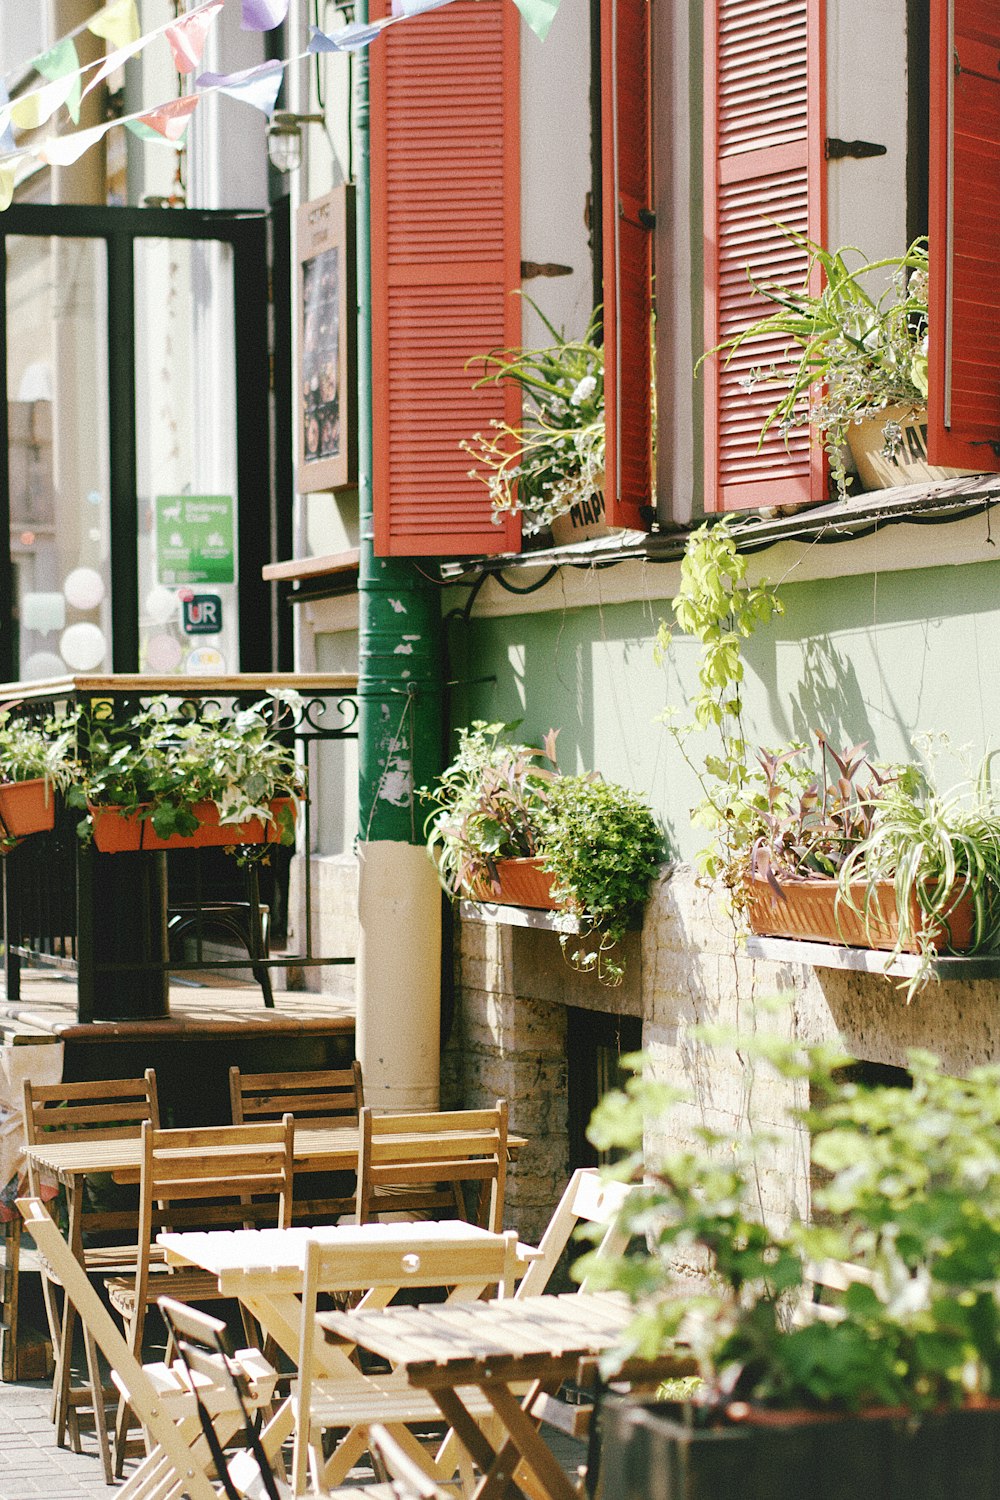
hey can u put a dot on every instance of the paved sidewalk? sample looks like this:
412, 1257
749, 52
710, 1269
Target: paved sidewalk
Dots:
30, 1462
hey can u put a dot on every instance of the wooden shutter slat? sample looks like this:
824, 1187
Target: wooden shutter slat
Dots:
964, 305
764, 130
628, 261
445, 141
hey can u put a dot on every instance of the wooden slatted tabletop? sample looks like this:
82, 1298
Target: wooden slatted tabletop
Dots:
317, 1149
459, 1344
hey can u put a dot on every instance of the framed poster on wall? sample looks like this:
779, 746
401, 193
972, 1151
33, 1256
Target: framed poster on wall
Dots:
327, 342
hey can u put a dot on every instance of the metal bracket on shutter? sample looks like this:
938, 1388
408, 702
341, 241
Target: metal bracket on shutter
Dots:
644, 218
835, 149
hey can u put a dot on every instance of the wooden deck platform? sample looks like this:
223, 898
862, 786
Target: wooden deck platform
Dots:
212, 1010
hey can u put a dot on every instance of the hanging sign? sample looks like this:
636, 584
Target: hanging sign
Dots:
195, 539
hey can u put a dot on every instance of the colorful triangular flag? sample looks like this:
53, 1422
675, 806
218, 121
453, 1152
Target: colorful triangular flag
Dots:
7, 142
348, 39
118, 23
61, 61
263, 15
171, 120
115, 60
416, 7
64, 150
257, 86
8, 176
32, 110
187, 36
147, 133
539, 15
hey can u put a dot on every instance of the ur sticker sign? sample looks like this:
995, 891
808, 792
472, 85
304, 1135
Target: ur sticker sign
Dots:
202, 614
194, 539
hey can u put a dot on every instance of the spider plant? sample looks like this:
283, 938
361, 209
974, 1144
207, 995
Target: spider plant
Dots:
933, 847
848, 353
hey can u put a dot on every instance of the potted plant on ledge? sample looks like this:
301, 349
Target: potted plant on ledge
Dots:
550, 466
852, 362
37, 758
507, 827
892, 1389
164, 780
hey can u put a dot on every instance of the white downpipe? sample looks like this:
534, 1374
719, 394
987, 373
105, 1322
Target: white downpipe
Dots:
398, 970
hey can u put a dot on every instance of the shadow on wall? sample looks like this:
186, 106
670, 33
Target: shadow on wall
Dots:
829, 698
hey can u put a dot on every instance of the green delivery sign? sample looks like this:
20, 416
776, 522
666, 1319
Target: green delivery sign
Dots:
194, 539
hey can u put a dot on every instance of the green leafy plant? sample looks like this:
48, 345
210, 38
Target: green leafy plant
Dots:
601, 843
912, 1197
554, 457
934, 848
848, 352
487, 805
719, 607
499, 800
32, 748
163, 761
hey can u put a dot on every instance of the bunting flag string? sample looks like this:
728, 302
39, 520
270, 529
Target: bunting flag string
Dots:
118, 23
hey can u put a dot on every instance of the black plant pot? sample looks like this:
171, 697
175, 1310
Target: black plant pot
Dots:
649, 1452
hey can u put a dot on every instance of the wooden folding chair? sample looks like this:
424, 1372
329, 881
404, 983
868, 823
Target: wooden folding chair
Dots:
165, 1398
194, 1178
417, 1163
327, 1097
467, 1269
110, 1108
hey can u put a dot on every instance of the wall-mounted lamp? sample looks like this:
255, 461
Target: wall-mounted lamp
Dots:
284, 138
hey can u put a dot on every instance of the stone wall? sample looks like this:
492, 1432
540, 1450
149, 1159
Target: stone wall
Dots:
686, 970
334, 903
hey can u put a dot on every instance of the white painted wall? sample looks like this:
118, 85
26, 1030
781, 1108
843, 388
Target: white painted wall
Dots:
556, 169
867, 101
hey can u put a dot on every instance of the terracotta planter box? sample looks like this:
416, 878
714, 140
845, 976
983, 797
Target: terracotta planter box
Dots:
27, 807
649, 1452
911, 467
118, 832
581, 523
523, 882
811, 912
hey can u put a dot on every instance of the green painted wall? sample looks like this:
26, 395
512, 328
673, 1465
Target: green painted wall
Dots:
864, 659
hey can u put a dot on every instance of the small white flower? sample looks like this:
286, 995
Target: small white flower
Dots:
584, 390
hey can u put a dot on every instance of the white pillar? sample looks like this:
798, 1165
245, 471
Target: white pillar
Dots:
399, 976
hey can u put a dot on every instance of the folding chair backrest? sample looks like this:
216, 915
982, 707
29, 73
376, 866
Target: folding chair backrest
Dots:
409, 1163
142, 1395
328, 1097
409, 1481
588, 1199
113, 1107
380, 1268
210, 1187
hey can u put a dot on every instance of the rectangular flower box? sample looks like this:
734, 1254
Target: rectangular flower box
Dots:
812, 912
27, 807
650, 1452
521, 882
119, 832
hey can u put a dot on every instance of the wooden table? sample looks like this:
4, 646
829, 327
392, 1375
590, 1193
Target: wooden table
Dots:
317, 1149
263, 1269
493, 1347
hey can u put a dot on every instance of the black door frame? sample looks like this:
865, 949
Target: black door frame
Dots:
246, 232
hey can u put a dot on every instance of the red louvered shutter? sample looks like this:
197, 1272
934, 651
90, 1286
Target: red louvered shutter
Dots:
445, 152
764, 167
963, 425
628, 261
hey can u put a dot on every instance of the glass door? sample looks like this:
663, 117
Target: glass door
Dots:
138, 496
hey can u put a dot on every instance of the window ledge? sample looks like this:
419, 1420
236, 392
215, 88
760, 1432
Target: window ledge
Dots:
958, 966
339, 568
948, 499
491, 914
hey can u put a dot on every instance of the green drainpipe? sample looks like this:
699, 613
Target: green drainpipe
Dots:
399, 749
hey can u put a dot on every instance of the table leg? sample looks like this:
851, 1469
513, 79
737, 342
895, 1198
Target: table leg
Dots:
10, 1299
524, 1441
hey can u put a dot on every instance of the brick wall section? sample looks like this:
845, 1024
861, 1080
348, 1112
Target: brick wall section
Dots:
512, 987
